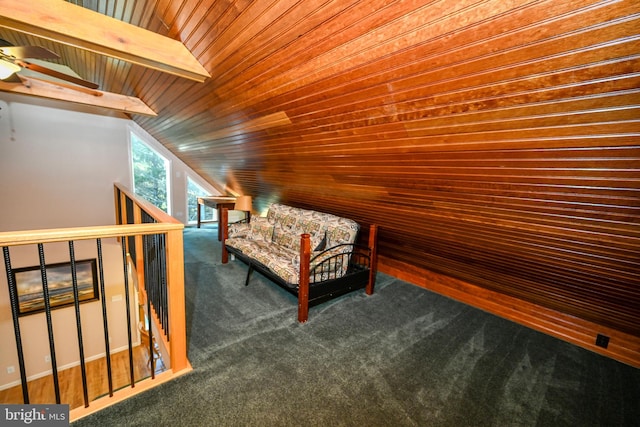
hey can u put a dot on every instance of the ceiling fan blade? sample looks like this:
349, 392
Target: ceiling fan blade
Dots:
36, 52
57, 74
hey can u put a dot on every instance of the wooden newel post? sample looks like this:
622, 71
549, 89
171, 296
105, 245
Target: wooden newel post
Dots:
176, 306
373, 267
222, 226
303, 286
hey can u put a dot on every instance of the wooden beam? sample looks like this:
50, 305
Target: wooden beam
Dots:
85, 29
78, 95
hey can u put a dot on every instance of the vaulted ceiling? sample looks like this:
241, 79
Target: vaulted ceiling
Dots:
493, 141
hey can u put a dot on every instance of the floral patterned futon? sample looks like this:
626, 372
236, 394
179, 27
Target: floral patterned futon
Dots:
274, 241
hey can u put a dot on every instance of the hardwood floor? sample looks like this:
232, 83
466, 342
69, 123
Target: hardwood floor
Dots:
41, 390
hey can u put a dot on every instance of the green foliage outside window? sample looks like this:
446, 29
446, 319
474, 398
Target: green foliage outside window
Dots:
193, 192
150, 172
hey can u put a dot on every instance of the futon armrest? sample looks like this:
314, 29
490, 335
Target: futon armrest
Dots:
330, 263
319, 257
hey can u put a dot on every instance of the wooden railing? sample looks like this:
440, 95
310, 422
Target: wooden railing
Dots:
136, 212
152, 255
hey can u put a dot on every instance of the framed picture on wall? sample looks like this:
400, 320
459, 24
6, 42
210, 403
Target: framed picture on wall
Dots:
28, 285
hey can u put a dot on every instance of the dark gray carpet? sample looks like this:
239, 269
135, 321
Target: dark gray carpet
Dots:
402, 357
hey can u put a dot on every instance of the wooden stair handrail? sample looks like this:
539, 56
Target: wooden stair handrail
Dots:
155, 212
25, 237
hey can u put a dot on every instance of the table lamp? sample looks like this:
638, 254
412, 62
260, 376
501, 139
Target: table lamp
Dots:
243, 203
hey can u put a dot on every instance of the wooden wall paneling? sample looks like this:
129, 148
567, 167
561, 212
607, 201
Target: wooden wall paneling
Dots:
415, 124
194, 17
333, 24
246, 30
278, 38
436, 60
425, 64
547, 104
509, 111
311, 69
423, 57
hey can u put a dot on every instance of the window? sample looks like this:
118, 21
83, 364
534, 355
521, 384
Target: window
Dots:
150, 174
193, 192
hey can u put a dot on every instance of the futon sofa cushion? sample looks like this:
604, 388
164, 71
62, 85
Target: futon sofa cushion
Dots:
274, 241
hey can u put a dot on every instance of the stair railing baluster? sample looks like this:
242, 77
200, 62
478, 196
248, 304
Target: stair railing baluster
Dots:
163, 283
104, 317
76, 304
47, 312
148, 280
128, 309
16, 323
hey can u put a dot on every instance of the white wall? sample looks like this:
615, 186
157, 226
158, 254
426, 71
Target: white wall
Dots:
58, 163
58, 166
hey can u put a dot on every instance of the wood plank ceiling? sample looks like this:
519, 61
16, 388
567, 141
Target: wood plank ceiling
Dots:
494, 141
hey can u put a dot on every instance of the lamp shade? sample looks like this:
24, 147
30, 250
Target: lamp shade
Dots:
243, 203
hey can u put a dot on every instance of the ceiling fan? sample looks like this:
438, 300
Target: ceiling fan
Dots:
12, 60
